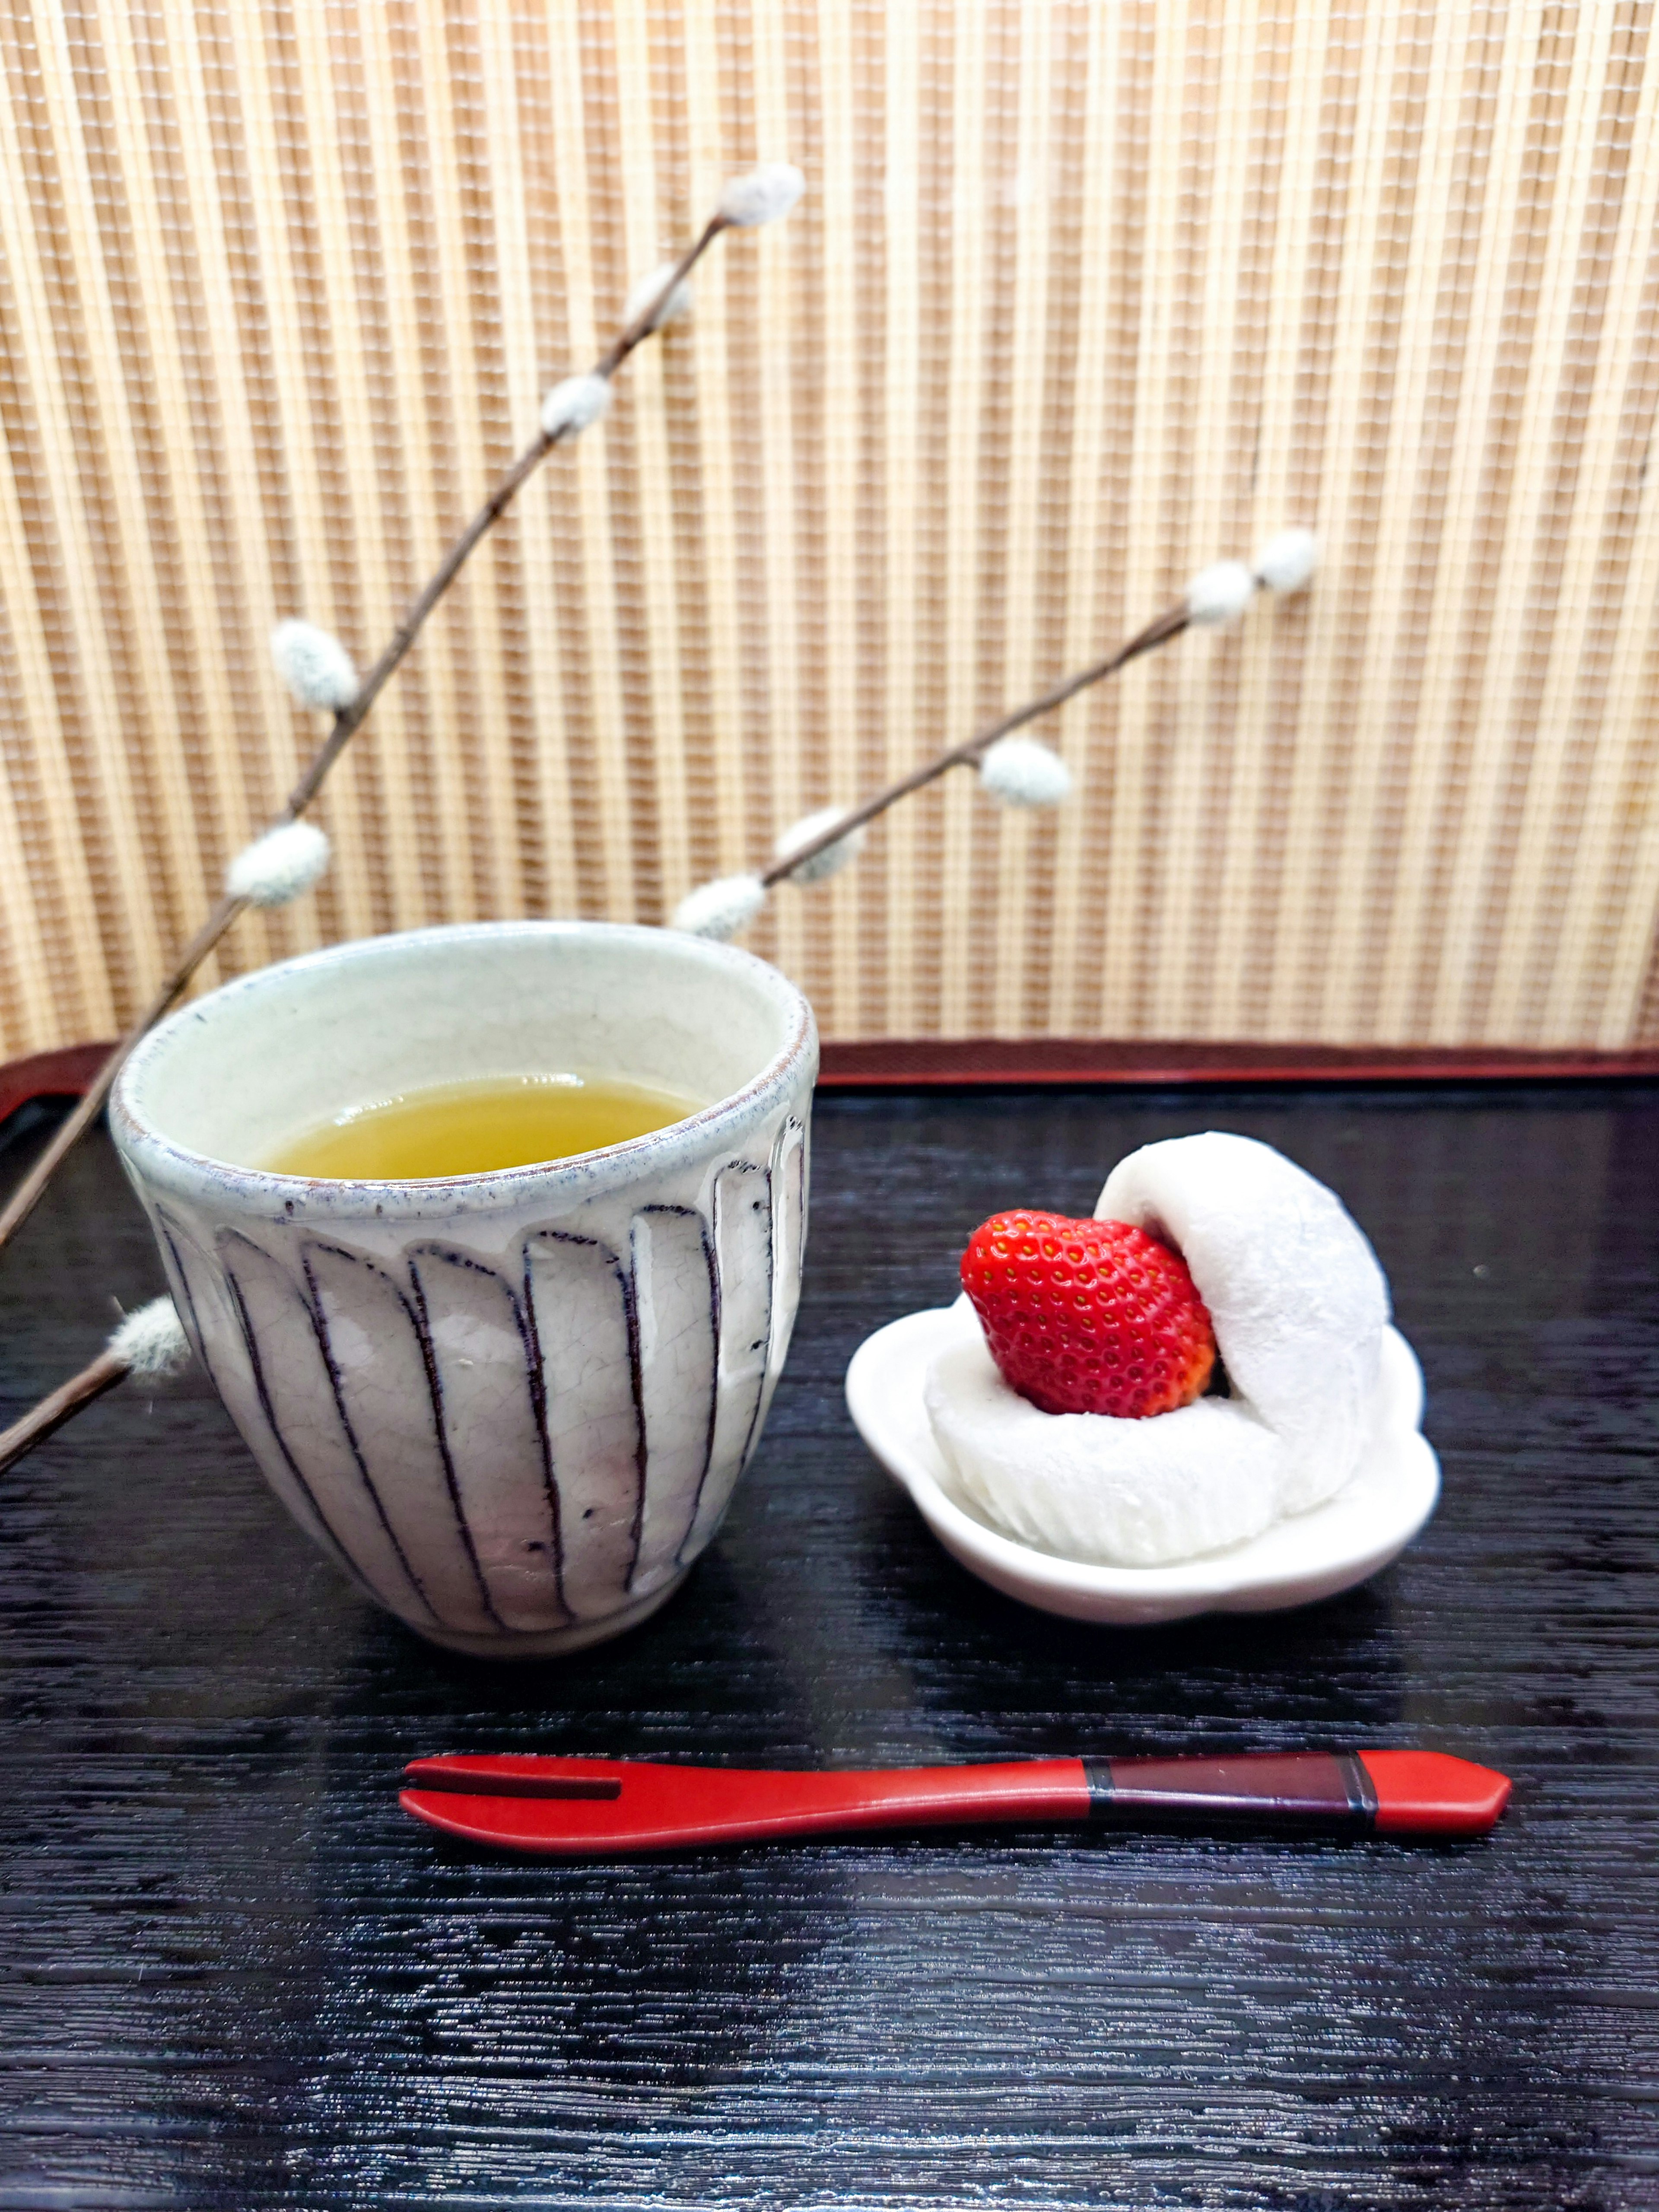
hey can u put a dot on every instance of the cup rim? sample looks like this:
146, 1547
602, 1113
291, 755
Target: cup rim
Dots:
488, 1189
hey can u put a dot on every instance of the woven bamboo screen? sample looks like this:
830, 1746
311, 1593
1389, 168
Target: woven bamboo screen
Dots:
1083, 296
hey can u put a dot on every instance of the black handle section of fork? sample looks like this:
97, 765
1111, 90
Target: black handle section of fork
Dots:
1328, 1790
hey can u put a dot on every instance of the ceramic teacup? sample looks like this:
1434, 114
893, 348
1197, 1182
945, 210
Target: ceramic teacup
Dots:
512, 1406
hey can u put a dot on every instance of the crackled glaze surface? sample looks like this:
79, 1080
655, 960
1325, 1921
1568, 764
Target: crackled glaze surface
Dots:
513, 1407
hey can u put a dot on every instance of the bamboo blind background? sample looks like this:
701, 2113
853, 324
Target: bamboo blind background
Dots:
1083, 295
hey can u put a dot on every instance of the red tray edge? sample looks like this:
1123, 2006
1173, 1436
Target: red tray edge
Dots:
948, 1063
937, 1062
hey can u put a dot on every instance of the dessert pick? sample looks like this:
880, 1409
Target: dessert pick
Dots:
605, 1807
1013, 771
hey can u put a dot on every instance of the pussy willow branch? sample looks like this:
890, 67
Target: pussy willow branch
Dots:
347, 722
1158, 631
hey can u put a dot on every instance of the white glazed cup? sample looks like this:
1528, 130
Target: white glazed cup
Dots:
512, 1406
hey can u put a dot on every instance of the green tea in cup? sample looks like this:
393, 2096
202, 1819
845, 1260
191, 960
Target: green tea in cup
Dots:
479, 1128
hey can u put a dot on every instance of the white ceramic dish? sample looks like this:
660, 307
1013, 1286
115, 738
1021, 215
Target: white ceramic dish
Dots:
1296, 1562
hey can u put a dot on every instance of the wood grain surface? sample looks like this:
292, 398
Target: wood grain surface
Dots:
232, 1976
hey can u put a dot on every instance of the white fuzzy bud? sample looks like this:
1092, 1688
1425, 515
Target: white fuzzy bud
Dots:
315, 667
152, 1341
832, 859
1020, 772
575, 406
1287, 560
721, 909
671, 306
764, 194
280, 865
1220, 593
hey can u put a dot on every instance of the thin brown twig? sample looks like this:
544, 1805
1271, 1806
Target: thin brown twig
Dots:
1158, 631
27, 1195
65, 1401
347, 722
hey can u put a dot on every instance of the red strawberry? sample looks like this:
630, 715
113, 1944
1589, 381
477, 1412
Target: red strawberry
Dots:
1089, 1316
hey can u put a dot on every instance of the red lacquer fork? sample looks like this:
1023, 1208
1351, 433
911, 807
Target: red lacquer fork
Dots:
598, 1808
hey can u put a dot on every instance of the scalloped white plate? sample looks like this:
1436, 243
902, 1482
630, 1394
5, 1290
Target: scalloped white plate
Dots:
1296, 1562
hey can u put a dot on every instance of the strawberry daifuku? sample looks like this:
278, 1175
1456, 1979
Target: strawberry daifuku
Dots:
1203, 1249
1089, 1316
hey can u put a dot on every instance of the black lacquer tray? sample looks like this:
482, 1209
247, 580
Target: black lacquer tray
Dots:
232, 1976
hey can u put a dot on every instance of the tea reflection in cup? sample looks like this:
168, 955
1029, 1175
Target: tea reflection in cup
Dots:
512, 1406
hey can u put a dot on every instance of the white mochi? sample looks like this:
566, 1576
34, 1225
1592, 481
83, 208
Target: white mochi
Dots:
1088, 1486
1298, 1300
